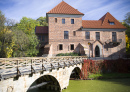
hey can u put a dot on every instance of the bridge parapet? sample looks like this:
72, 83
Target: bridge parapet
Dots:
14, 67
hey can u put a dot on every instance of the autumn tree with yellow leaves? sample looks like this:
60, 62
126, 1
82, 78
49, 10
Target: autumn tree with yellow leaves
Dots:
18, 40
127, 44
7, 43
126, 23
6, 38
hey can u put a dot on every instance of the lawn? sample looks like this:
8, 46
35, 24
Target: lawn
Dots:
109, 75
104, 85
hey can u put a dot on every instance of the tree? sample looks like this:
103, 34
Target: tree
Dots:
2, 20
10, 23
6, 43
27, 25
127, 44
6, 38
21, 43
127, 24
19, 39
42, 21
127, 18
32, 51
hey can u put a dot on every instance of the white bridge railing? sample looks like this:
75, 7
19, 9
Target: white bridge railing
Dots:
14, 67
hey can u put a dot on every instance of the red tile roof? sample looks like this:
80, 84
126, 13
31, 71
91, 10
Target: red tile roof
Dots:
103, 22
91, 23
41, 29
64, 8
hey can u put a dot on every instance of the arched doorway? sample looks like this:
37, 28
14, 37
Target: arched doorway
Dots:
97, 51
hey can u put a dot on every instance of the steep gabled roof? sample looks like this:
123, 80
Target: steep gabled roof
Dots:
41, 29
103, 22
64, 8
109, 18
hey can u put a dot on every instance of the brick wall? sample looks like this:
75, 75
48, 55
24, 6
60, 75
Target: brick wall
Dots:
56, 34
56, 37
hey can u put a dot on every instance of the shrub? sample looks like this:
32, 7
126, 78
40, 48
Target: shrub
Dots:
67, 54
107, 66
89, 67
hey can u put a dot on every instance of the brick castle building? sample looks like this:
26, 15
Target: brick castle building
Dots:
67, 32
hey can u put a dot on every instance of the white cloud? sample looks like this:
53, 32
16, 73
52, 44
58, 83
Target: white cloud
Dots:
29, 8
114, 8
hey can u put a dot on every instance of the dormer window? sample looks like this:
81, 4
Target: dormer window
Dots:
111, 23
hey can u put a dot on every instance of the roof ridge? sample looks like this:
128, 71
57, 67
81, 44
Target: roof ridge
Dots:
91, 20
103, 18
55, 6
64, 8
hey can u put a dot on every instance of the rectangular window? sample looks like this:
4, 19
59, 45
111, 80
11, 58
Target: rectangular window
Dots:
97, 36
87, 35
72, 21
74, 33
55, 20
63, 21
114, 38
66, 35
60, 47
72, 47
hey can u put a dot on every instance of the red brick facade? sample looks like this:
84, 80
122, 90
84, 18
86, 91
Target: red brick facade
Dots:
77, 38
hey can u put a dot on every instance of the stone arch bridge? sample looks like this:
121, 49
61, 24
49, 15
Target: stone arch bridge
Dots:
30, 74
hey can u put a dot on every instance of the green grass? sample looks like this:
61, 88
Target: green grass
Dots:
107, 85
104, 85
109, 75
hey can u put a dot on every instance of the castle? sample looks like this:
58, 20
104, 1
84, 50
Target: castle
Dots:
67, 32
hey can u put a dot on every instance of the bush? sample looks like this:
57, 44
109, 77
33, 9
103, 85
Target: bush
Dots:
67, 54
91, 67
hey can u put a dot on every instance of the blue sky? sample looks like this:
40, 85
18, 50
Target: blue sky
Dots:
93, 9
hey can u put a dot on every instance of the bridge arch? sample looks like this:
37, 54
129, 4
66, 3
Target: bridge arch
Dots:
45, 82
41, 71
75, 73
